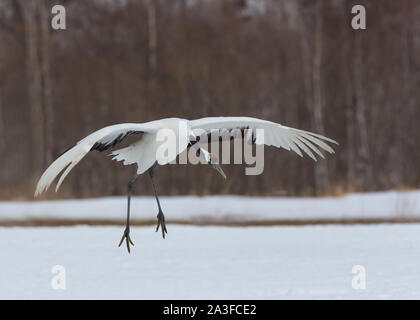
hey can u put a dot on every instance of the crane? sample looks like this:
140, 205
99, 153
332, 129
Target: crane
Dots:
144, 151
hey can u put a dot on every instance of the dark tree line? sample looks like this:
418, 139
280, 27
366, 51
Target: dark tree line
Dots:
295, 62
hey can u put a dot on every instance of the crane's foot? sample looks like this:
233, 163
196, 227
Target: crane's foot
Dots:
161, 224
127, 238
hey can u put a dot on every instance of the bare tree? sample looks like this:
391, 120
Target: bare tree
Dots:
321, 169
350, 136
2, 127
151, 16
364, 165
2, 131
29, 12
43, 10
296, 62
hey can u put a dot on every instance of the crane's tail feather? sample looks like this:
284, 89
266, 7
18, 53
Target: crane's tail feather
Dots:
66, 161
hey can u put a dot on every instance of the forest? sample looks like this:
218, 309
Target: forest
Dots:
296, 62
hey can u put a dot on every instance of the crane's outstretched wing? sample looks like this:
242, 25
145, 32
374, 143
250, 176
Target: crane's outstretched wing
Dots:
100, 140
274, 134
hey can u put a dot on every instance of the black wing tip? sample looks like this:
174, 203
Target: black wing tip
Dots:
98, 146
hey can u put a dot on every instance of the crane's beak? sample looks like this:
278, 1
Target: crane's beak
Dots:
212, 161
219, 169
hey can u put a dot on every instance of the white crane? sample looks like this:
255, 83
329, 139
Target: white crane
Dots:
144, 153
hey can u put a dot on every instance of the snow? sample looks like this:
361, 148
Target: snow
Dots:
310, 262
197, 262
389, 204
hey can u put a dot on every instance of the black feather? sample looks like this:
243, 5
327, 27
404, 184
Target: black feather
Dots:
105, 146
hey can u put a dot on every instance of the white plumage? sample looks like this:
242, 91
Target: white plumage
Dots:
143, 151
274, 134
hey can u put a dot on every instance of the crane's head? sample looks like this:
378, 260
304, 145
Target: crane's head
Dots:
213, 161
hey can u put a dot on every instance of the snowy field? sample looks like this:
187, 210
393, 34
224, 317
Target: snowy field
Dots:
197, 262
310, 262
386, 205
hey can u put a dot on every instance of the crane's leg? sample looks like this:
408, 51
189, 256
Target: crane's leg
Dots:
126, 234
160, 216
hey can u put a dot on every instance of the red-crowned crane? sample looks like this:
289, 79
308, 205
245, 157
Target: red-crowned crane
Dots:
144, 151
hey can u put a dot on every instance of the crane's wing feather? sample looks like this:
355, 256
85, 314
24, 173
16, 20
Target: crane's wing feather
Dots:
100, 140
274, 134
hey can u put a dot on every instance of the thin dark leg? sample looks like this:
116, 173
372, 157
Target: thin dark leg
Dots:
126, 234
160, 216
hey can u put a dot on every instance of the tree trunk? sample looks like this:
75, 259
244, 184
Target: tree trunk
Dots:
364, 166
28, 8
2, 131
47, 83
350, 136
321, 168
151, 15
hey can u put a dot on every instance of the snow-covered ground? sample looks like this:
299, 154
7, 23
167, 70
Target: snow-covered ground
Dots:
310, 262
218, 208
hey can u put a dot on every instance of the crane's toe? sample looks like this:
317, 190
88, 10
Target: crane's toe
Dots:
161, 223
126, 236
